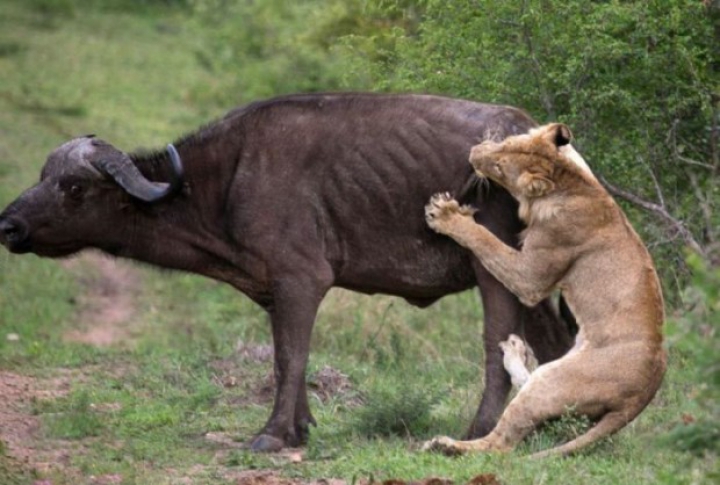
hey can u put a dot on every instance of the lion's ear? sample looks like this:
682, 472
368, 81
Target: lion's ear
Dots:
534, 185
558, 134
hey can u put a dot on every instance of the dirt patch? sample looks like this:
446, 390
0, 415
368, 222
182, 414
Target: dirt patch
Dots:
269, 477
248, 352
16, 420
329, 383
21, 433
106, 305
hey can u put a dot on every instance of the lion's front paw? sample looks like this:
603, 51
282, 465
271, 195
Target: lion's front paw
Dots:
443, 444
442, 209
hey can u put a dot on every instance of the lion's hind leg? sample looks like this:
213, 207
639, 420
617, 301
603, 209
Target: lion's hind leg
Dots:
549, 392
582, 381
619, 402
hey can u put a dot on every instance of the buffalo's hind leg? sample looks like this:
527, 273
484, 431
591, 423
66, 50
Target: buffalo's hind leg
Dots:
548, 332
292, 315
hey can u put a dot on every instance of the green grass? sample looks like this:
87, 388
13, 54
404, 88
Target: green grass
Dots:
143, 410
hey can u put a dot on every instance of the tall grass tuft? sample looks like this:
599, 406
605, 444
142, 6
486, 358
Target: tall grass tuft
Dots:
397, 406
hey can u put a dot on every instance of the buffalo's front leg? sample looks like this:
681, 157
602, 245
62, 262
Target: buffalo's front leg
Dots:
292, 314
502, 315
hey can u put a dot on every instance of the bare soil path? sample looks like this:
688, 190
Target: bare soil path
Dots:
106, 307
107, 304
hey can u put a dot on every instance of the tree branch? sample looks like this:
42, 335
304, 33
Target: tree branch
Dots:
690, 161
659, 211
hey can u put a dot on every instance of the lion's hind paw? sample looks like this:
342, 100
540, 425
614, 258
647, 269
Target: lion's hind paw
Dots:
518, 359
514, 345
442, 444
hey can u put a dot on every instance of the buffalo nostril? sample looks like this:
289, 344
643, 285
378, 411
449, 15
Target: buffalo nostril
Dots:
11, 231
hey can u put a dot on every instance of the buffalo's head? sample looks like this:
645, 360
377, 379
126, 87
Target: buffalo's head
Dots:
84, 198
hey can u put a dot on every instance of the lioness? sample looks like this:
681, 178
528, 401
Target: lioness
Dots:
578, 241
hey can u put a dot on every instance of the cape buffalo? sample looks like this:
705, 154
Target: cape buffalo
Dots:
284, 199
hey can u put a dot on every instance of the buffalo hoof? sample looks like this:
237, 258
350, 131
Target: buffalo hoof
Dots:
264, 443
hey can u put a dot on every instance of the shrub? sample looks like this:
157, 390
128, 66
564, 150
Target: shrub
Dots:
695, 335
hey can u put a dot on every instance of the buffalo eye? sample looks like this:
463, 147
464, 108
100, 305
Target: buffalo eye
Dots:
74, 189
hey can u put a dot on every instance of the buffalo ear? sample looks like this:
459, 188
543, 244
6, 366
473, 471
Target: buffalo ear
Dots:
558, 134
533, 185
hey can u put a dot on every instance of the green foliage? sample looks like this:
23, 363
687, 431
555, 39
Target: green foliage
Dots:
637, 81
280, 48
22, 310
394, 405
695, 333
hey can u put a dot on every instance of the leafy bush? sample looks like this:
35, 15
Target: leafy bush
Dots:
634, 79
696, 337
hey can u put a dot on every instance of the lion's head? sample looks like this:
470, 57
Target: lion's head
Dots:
527, 165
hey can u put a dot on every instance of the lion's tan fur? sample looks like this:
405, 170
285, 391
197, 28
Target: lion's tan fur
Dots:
578, 241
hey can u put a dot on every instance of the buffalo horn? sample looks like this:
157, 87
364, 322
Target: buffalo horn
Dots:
127, 175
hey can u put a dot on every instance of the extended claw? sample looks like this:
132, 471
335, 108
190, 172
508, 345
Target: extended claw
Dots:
443, 205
